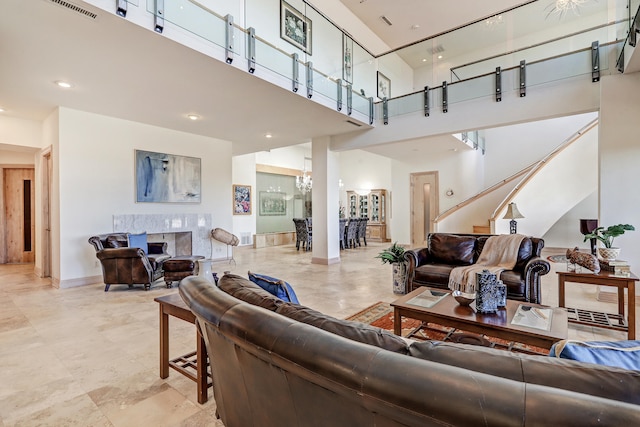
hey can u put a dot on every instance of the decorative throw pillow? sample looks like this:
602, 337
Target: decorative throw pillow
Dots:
274, 286
622, 354
138, 241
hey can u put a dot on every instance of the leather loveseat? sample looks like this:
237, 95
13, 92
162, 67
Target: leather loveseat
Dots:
128, 266
280, 364
432, 265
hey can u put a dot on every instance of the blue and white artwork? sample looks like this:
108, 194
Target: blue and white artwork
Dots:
166, 178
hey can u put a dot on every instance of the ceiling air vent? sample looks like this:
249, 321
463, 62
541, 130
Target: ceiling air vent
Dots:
354, 123
436, 49
75, 8
386, 20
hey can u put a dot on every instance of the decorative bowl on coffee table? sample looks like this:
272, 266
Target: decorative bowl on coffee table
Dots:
464, 298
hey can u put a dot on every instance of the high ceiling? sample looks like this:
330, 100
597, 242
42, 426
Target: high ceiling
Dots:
413, 20
122, 70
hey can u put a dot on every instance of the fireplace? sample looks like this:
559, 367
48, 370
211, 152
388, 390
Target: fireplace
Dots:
186, 234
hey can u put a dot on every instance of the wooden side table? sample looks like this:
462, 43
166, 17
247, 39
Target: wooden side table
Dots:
192, 368
599, 319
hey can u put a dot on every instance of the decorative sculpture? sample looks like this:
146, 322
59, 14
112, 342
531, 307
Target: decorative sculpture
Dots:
583, 259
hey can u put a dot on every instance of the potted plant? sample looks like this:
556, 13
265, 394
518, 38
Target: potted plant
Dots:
394, 255
606, 236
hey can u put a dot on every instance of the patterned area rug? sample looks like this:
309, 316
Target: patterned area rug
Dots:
380, 315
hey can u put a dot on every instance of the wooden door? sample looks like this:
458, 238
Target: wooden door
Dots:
19, 196
424, 206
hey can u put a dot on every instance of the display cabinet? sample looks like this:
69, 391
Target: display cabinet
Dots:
374, 207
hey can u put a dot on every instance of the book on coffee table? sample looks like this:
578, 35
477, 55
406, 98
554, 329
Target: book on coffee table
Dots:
428, 298
533, 317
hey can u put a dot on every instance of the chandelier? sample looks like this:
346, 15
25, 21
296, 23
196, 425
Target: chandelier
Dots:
304, 182
561, 7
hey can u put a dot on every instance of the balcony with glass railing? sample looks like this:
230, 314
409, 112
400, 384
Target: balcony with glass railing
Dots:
316, 57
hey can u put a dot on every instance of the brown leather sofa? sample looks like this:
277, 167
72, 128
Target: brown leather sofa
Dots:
432, 265
281, 364
128, 266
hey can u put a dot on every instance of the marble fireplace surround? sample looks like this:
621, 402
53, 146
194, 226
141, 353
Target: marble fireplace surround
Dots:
186, 234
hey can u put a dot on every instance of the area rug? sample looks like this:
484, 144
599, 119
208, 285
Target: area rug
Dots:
380, 315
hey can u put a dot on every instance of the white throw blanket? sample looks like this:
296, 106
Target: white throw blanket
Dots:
498, 254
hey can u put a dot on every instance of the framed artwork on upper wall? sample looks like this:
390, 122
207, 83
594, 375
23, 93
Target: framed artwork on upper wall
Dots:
347, 58
295, 27
167, 178
384, 86
242, 200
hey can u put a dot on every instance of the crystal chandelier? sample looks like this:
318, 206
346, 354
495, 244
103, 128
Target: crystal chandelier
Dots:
561, 7
304, 182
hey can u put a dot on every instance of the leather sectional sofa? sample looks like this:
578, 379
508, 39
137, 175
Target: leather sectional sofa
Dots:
281, 364
432, 265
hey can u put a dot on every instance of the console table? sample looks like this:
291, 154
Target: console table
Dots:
194, 368
599, 319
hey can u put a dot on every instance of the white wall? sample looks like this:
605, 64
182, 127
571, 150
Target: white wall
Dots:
244, 173
512, 148
619, 153
11, 157
360, 170
95, 166
20, 132
565, 233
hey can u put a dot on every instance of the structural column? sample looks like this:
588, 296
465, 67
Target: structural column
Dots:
326, 202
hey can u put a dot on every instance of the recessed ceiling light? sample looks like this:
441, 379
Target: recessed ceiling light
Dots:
1, 110
63, 84
424, 59
268, 135
193, 117
439, 56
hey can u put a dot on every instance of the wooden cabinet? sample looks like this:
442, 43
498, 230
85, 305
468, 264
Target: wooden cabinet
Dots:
372, 206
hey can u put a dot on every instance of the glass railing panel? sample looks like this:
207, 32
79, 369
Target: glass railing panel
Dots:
327, 42
284, 25
220, 8
326, 86
405, 105
364, 73
360, 103
478, 87
195, 19
532, 54
135, 3
276, 60
563, 67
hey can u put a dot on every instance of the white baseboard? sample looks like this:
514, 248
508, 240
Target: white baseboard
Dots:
74, 283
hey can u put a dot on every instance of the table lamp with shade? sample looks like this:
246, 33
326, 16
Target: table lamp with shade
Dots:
513, 213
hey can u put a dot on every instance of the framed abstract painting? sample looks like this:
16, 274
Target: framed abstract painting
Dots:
167, 178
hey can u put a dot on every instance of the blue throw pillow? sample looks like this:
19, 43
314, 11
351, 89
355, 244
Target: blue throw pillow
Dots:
274, 286
622, 354
138, 241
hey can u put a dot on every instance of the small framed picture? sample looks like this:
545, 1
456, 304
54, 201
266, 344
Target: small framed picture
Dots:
242, 200
347, 57
295, 27
384, 86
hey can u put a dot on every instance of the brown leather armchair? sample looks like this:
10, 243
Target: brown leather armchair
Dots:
128, 266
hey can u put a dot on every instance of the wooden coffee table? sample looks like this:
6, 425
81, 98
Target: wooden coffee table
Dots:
448, 312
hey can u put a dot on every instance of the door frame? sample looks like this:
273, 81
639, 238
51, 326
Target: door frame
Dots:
46, 174
434, 200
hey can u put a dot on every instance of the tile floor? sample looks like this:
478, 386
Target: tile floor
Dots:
83, 357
